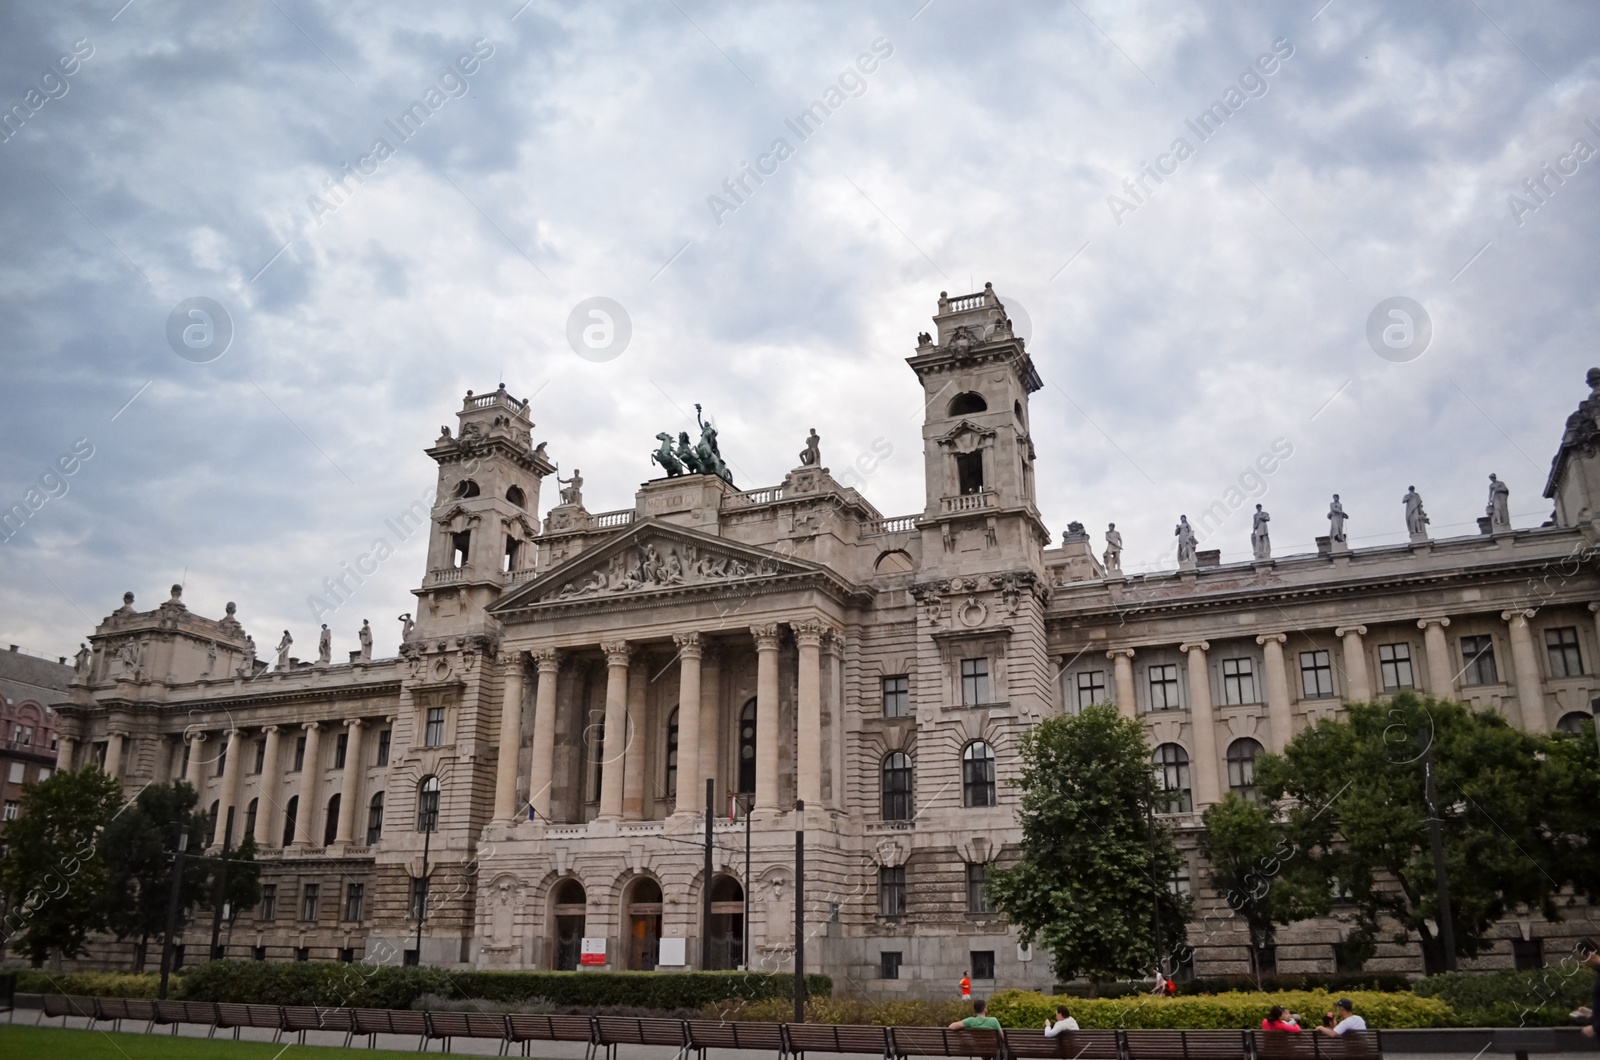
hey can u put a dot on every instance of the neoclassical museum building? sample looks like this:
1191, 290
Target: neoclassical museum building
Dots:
531, 769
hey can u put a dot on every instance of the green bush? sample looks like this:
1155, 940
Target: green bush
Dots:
98, 984
386, 986
887, 1013
1340, 983
1016, 1008
1539, 998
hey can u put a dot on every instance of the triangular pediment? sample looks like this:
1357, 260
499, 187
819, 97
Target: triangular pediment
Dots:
654, 556
964, 427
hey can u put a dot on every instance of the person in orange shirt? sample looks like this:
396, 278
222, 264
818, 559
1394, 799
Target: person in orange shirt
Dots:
966, 987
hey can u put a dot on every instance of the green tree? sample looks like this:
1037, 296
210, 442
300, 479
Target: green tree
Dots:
1570, 774
1095, 863
1253, 867
53, 873
1360, 819
138, 848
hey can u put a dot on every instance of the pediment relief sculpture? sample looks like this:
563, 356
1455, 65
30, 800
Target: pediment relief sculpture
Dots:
654, 564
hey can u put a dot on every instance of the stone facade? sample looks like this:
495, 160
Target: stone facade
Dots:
567, 687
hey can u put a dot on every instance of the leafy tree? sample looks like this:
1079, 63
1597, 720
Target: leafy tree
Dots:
1254, 867
53, 873
1360, 819
138, 848
1095, 864
1570, 774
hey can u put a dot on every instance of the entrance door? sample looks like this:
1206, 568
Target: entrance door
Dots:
727, 924
644, 925
567, 909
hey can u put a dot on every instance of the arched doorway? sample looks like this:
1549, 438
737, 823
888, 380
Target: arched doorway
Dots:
727, 924
568, 909
643, 923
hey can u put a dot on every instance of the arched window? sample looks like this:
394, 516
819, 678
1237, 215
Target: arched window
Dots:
894, 561
1172, 779
375, 819
672, 762
747, 748
896, 786
977, 775
291, 812
428, 804
1016, 408
1573, 722
515, 496
643, 926
466, 488
968, 402
1242, 767
250, 818
330, 824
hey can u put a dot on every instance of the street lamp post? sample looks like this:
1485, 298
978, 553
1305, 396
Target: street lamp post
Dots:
172, 911
1447, 933
428, 819
799, 911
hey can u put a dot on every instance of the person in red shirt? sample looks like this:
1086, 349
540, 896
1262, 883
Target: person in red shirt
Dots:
1280, 1020
966, 987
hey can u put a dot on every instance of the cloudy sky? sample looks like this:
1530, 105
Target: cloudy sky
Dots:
175, 151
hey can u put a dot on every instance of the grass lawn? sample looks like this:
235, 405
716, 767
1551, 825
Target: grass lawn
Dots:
20, 1042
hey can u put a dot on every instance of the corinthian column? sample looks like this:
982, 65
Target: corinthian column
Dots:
350, 789
196, 761
1530, 685
1357, 685
766, 638
505, 776
1203, 722
230, 782
689, 776
808, 749
267, 809
1279, 718
616, 734
1441, 673
114, 754
310, 773
633, 755
1122, 665
541, 765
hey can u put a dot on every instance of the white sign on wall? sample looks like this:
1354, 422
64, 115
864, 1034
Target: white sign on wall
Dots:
674, 953
593, 953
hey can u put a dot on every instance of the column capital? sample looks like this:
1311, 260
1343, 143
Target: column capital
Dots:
617, 652
1595, 607
1340, 631
833, 641
1195, 645
1120, 653
809, 633
1516, 613
353, 723
516, 660
311, 726
766, 636
195, 737
1424, 623
268, 730
548, 660
1281, 638
235, 732
690, 645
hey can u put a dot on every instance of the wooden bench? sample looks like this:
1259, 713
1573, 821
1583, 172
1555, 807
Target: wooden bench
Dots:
116, 1009
526, 1027
375, 1021
1309, 1044
944, 1041
302, 1018
829, 1038
1188, 1045
65, 1005
447, 1025
232, 1015
612, 1031
1068, 1045
713, 1034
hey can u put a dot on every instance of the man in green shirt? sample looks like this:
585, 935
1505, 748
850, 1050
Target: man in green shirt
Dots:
978, 1021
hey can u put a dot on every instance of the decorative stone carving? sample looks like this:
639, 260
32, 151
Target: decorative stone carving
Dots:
1336, 518
1260, 542
325, 645
1074, 532
1113, 557
364, 635
1416, 518
230, 623
247, 668
1187, 542
80, 661
662, 564
283, 650
406, 627
571, 489
1499, 507
211, 659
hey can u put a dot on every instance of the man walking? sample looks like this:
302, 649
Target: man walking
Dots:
966, 987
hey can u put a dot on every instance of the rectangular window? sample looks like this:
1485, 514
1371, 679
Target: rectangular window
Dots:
44, 774
347, 955
12, 809
308, 901
299, 754
1316, 674
352, 901
983, 964
383, 748
1163, 686
461, 549
969, 472
261, 953
1091, 688
1239, 681
1477, 659
1394, 663
1528, 954
269, 901
340, 749
16, 771
433, 733
419, 897
889, 964
892, 891
261, 757
375, 819
897, 696
977, 888
1562, 644
974, 682
1179, 884
302, 953
24, 735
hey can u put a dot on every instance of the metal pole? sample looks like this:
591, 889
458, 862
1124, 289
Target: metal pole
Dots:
1156, 903
705, 897
1447, 932
172, 911
744, 923
422, 890
799, 911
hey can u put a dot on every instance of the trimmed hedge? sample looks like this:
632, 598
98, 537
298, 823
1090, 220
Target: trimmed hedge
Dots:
387, 986
1016, 1008
908, 1012
97, 984
1539, 998
1227, 984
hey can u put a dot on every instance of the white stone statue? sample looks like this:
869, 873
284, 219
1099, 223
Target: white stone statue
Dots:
1336, 518
572, 488
1113, 557
283, 650
406, 626
248, 667
1187, 542
1499, 507
128, 656
1416, 518
1260, 543
211, 659
365, 637
80, 662
325, 644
